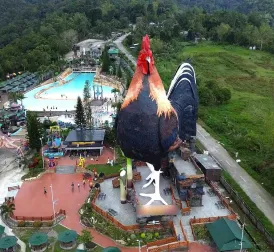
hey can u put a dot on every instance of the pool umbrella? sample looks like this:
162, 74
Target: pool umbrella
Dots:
111, 249
67, 236
38, 239
8, 242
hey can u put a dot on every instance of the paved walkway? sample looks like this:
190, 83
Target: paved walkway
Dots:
263, 200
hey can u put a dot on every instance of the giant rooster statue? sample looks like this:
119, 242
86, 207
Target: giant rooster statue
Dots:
150, 123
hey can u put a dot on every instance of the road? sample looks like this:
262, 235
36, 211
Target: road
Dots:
263, 200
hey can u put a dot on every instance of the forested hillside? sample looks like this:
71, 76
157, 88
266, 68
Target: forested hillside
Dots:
265, 7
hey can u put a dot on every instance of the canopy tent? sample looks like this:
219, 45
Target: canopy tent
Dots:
111, 249
67, 236
8, 242
227, 235
2, 228
38, 239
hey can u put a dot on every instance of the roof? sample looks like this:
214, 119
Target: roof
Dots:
67, 236
227, 235
113, 51
86, 135
8, 242
206, 161
111, 249
38, 239
2, 229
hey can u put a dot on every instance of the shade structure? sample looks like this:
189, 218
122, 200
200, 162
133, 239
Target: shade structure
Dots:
38, 239
8, 242
67, 236
111, 249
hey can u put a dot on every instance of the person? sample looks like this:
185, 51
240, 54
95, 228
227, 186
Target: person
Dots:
72, 186
79, 187
45, 190
108, 161
84, 182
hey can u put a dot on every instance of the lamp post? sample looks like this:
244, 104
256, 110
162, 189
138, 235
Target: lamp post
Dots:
52, 203
42, 153
139, 246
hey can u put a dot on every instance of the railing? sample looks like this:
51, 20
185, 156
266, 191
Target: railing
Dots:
10, 188
32, 218
168, 247
183, 231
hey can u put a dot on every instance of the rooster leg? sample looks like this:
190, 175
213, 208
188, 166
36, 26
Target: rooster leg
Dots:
155, 175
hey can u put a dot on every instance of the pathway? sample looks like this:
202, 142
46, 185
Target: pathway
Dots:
263, 200
252, 188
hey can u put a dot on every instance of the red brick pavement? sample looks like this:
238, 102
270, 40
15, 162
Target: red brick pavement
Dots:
31, 201
107, 153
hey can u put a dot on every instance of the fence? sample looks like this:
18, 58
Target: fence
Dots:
168, 247
183, 231
247, 211
218, 193
32, 218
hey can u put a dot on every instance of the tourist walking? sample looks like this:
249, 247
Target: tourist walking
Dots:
79, 187
72, 186
45, 190
84, 183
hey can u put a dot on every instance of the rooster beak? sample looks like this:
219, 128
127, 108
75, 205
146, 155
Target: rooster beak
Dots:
148, 60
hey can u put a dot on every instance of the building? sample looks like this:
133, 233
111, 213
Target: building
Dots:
95, 52
228, 236
113, 52
90, 140
188, 183
208, 166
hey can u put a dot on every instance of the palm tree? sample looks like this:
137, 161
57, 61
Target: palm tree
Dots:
13, 96
115, 91
7, 209
20, 97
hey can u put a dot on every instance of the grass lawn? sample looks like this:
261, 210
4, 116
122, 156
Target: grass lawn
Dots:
105, 168
245, 124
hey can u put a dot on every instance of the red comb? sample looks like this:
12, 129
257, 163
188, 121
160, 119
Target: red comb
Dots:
146, 43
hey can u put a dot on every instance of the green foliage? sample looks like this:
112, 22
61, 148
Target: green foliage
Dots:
201, 232
34, 129
85, 237
143, 235
110, 136
21, 224
87, 103
7, 208
156, 235
105, 60
80, 119
37, 224
119, 72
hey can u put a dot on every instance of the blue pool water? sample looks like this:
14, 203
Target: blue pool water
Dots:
56, 96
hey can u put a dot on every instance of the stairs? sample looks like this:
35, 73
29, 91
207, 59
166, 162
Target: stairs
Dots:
65, 169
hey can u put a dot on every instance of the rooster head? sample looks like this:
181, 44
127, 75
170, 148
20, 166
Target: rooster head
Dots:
146, 67
145, 58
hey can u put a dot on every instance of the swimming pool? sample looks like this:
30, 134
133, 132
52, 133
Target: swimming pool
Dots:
63, 97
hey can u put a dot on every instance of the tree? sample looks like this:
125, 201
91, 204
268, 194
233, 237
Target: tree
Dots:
115, 91
223, 31
119, 72
34, 129
105, 61
85, 237
21, 97
7, 209
80, 114
87, 103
